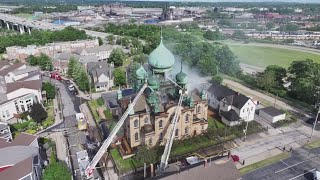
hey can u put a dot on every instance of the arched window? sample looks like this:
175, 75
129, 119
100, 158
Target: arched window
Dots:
160, 137
160, 123
136, 137
146, 120
135, 123
199, 109
150, 141
187, 118
186, 130
177, 133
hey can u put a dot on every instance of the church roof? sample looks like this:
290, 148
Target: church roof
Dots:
161, 57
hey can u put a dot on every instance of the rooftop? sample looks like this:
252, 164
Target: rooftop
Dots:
230, 115
11, 68
33, 84
19, 170
28, 69
220, 91
272, 111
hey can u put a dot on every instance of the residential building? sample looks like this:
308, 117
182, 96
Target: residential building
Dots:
101, 74
233, 107
20, 87
102, 52
61, 61
5, 131
50, 49
272, 114
20, 158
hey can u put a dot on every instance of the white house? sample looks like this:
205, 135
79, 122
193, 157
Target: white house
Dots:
101, 74
233, 107
272, 114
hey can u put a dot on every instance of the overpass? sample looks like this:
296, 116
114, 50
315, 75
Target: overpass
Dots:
24, 25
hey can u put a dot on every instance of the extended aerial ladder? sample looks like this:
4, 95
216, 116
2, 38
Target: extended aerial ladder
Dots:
90, 168
167, 149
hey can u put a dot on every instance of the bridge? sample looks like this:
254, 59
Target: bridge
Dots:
24, 25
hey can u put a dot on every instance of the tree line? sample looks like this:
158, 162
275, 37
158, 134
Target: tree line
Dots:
78, 73
301, 79
41, 37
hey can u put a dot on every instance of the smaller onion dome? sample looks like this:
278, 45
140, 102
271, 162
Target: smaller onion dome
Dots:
181, 78
153, 82
141, 73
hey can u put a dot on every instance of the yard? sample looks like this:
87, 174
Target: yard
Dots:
94, 105
312, 145
124, 165
264, 56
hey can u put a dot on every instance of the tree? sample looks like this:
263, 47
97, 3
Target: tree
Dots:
119, 77
239, 34
270, 25
304, 77
32, 60
146, 154
213, 35
140, 58
207, 66
100, 41
289, 27
38, 113
71, 66
45, 62
217, 79
82, 81
55, 171
50, 90
111, 39
117, 56
227, 62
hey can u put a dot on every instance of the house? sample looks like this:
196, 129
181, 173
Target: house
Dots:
272, 114
233, 107
101, 74
102, 52
61, 61
19, 97
5, 132
87, 59
20, 158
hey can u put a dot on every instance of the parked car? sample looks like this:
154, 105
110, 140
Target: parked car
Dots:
68, 81
75, 91
312, 120
71, 87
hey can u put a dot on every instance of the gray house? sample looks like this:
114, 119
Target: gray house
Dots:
101, 75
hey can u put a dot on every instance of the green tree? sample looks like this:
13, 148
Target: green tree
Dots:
71, 66
32, 60
119, 77
38, 113
50, 89
45, 62
239, 34
117, 56
100, 41
290, 27
217, 79
140, 58
270, 25
125, 42
82, 81
227, 62
132, 76
57, 171
207, 66
111, 39
146, 154
213, 35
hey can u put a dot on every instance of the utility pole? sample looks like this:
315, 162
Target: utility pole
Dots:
315, 122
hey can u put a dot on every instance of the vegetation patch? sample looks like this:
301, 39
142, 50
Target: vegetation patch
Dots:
264, 163
264, 56
93, 105
312, 145
124, 165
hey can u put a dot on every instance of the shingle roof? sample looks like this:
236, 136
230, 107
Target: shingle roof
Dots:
99, 49
87, 59
33, 84
98, 68
24, 139
230, 115
25, 70
272, 111
220, 91
10, 69
66, 56
238, 100
4, 63
19, 170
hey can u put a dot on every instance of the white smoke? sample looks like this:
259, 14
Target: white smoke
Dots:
195, 80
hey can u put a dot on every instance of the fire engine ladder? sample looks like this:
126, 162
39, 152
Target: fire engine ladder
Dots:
167, 150
90, 168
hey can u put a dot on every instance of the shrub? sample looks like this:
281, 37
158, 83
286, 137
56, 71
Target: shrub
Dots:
53, 158
107, 114
100, 101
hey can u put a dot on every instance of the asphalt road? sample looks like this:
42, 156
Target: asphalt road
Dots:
297, 166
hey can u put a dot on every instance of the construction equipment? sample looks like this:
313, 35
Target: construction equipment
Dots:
167, 150
90, 168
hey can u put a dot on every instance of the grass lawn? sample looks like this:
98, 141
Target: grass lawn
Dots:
264, 56
93, 104
312, 145
213, 123
24, 15
264, 163
124, 165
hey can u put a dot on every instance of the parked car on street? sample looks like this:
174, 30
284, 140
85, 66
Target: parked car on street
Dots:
71, 87
56, 76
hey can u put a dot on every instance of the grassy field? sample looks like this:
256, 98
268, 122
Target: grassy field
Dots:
24, 15
264, 163
264, 56
312, 145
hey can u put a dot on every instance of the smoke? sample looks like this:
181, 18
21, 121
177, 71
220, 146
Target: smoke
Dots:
195, 80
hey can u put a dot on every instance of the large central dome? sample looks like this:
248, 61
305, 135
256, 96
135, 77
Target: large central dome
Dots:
161, 59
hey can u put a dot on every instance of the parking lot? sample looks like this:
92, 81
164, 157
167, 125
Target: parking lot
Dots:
299, 166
